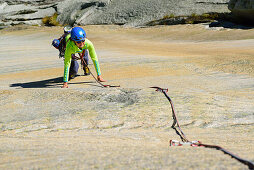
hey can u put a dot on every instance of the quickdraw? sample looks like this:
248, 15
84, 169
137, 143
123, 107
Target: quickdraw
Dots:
179, 143
185, 141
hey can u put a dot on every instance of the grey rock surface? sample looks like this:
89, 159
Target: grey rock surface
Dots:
242, 9
135, 13
30, 14
78, 10
34, 15
87, 12
31, 2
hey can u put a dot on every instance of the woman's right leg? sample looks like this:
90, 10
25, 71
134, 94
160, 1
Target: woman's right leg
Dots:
85, 65
73, 69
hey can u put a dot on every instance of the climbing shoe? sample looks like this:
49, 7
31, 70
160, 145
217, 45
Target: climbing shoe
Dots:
72, 76
86, 71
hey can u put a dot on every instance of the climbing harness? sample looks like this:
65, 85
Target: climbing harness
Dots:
84, 63
185, 141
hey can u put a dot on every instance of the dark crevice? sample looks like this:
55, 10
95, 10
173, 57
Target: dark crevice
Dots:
213, 3
28, 11
49, 6
97, 4
22, 19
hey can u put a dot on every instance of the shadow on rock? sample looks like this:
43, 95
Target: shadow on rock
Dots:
55, 82
49, 83
230, 25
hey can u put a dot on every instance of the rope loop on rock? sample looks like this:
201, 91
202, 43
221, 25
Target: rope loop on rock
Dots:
82, 60
185, 141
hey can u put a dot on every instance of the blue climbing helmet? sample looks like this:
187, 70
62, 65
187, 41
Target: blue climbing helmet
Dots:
56, 43
78, 34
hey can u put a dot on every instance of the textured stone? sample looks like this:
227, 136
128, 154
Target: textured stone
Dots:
13, 9
36, 15
134, 13
79, 10
32, 2
121, 12
24, 14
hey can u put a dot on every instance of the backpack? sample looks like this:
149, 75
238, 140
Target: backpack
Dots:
61, 42
62, 45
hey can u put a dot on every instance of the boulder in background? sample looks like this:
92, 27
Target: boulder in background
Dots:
243, 10
22, 12
132, 12
121, 12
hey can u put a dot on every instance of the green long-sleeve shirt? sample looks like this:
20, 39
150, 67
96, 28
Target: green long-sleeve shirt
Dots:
71, 48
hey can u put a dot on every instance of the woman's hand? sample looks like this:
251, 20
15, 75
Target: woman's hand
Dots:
100, 79
65, 85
